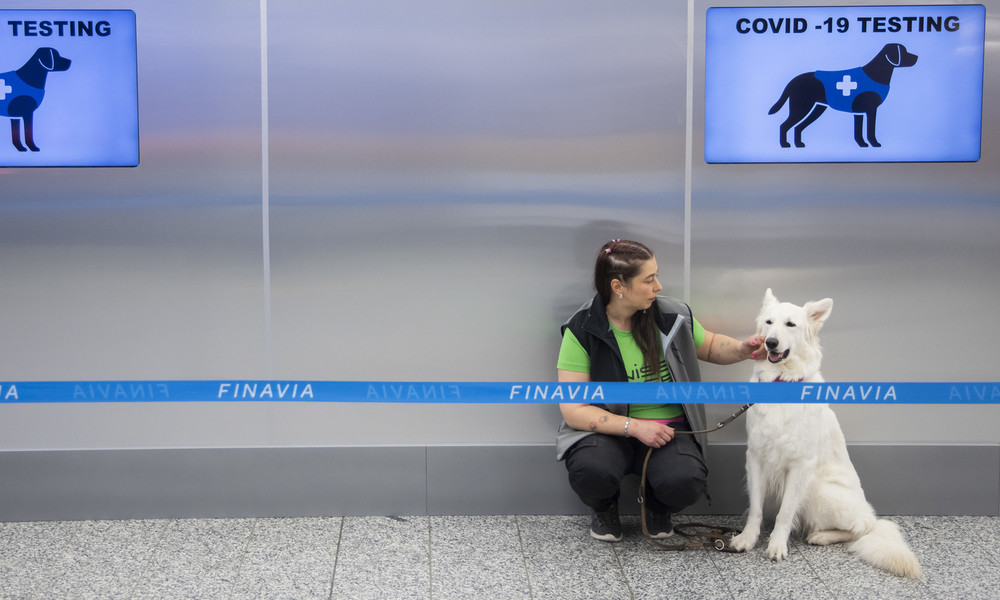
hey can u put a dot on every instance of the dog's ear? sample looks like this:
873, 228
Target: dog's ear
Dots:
42, 55
769, 298
818, 311
894, 54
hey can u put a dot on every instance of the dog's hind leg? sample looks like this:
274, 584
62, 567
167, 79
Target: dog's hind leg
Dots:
15, 135
798, 113
783, 132
814, 114
830, 536
804, 92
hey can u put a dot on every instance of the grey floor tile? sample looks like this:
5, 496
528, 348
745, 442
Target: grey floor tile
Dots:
477, 557
32, 556
956, 554
106, 560
565, 563
752, 575
849, 577
655, 574
196, 558
383, 557
289, 559
981, 532
443, 558
832, 570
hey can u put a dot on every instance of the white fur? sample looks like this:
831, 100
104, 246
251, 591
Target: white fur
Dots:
796, 454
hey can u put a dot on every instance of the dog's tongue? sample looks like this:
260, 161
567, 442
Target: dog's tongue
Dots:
775, 357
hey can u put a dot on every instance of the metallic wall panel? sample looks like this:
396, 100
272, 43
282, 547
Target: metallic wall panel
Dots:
153, 271
442, 175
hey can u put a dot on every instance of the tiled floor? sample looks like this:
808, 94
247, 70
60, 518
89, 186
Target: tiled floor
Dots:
483, 558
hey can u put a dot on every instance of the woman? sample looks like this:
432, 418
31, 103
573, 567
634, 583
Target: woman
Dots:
628, 333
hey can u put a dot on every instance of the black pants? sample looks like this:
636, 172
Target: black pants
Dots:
676, 476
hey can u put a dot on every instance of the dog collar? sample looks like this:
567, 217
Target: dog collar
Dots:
778, 379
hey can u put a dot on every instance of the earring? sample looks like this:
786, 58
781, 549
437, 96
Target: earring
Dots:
620, 296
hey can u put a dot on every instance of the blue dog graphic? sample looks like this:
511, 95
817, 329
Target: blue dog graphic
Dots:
860, 91
21, 92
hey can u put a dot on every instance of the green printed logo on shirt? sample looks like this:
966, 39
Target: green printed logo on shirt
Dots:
635, 364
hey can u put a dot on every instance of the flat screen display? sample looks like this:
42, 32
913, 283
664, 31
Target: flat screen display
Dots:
68, 88
844, 84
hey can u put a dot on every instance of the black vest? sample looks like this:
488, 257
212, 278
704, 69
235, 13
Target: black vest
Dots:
673, 318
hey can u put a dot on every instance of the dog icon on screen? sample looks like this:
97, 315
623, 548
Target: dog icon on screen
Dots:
860, 91
21, 93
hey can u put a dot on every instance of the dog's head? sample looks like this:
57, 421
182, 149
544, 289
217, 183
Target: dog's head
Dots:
50, 59
897, 55
788, 328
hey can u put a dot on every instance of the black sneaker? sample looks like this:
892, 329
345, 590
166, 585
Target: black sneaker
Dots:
605, 525
660, 526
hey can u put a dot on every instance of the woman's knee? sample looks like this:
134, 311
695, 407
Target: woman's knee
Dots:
688, 484
594, 476
679, 487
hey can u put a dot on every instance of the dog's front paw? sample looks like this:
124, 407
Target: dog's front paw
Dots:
777, 549
743, 541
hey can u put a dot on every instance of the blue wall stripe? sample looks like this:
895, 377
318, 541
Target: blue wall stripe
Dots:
33, 392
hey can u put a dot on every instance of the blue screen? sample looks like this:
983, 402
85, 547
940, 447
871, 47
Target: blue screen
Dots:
844, 84
68, 88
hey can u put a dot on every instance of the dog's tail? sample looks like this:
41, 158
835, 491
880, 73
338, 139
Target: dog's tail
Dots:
781, 101
884, 547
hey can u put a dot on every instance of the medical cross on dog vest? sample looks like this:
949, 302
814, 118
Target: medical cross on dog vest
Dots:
847, 85
4, 89
842, 87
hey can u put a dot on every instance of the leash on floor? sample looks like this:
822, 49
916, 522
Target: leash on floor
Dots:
698, 535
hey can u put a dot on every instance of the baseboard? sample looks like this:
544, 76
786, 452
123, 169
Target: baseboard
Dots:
433, 480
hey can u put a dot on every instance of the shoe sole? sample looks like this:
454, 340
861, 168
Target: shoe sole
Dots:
607, 537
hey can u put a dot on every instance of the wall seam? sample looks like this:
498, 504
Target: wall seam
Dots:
265, 190
688, 149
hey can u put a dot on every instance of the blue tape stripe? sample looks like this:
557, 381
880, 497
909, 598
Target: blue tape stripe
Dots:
444, 392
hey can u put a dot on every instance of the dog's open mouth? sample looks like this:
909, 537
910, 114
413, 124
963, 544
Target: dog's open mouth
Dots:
777, 357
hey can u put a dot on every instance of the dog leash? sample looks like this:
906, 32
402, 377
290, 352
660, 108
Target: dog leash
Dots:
699, 535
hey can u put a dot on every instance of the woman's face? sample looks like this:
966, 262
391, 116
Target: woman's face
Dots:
641, 290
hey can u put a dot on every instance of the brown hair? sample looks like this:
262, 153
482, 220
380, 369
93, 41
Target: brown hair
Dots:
622, 260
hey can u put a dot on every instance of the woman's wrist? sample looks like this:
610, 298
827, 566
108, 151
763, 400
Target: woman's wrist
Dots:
627, 421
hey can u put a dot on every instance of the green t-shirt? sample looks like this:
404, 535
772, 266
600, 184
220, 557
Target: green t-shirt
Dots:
572, 357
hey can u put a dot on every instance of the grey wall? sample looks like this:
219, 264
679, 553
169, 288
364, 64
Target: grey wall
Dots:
425, 202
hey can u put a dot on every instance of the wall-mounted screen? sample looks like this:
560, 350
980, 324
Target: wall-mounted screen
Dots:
68, 88
844, 84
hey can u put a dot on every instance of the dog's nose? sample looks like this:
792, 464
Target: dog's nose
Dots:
771, 343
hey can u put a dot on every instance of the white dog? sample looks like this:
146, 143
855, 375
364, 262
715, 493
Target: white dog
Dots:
796, 454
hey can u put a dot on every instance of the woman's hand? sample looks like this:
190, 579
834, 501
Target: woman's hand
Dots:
723, 350
753, 347
651, 433
587, 417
